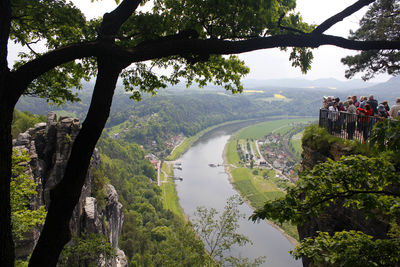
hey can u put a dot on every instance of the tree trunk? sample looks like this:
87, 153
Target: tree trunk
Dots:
7, 254
65, 195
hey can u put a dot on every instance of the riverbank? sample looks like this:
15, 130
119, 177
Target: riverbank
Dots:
187, 142
258, 184
169, 193
256, 198
168, 185
227, 167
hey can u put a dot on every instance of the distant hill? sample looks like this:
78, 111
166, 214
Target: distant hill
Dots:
328, 83
383, 91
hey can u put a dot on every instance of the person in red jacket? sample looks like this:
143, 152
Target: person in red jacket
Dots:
365, 114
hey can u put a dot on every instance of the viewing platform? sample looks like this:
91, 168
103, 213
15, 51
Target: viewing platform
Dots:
347, 125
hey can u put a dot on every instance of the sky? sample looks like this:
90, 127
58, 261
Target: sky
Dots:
273, 63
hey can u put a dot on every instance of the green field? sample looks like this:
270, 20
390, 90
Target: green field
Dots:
261, 185
258, 190
260, 130
231, 154
118, 128
283, 129
296, 143
170, 197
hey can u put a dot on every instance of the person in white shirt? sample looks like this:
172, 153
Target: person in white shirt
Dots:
333, 115
395, 109
351, 118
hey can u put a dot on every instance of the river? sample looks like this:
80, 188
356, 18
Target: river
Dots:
203, 185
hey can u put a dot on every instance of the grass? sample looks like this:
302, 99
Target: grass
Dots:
273, 195
170, 197
296, 143
253, 146
257, 200
260, 130
118, 128
182, 147
246, 188
231, 154
284, 129
256, 188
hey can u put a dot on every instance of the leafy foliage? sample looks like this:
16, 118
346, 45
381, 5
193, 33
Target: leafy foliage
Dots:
349, 248
381, 22
225, 20
219, 232
53, 24
88, 250
318, 139
22, 121
226, 71
22, 189
366, 184
386, 135
331, 182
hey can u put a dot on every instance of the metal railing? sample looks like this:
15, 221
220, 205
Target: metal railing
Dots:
347, 125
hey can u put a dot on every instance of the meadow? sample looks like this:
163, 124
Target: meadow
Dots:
259, 185
170, 198
260, 130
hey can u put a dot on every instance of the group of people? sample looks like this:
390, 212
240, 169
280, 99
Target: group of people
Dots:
354, 114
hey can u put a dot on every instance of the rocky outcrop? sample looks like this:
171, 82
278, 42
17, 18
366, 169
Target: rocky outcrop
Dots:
311, 157
336, 218
49, 145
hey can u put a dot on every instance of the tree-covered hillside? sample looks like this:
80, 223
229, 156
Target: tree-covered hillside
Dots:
22, 121
151, 235
155, 121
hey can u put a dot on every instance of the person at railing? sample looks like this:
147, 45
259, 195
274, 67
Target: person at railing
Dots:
341, 107
395, 110
363, 101
327, 102
340, 122
373, 104
385, 103
347, 103
382, 110
356, 103
364, 124
351, 118
333, 115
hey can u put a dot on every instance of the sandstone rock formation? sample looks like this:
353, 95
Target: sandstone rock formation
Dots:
49, 145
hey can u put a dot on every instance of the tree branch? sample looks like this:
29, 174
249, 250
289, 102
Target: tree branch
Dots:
166, 48
340, 16
351, 193
213, 46
112, 21
30, 48
31, 70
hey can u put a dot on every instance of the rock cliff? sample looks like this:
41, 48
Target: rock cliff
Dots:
49, 145
336, 218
